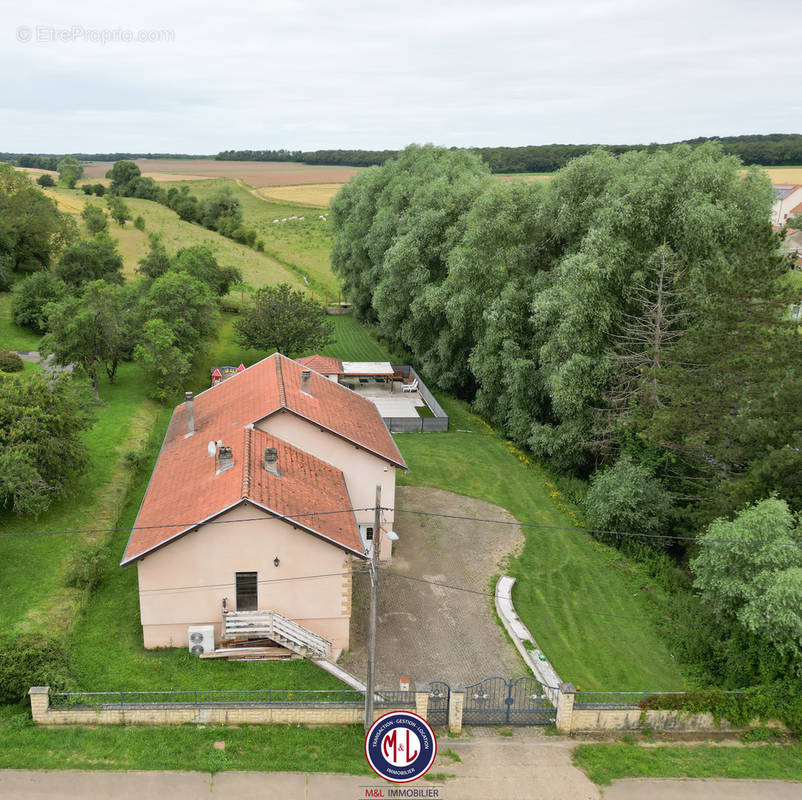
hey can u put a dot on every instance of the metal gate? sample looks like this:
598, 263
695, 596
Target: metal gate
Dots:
497, 701
438, 703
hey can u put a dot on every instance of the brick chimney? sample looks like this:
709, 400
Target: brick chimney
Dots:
271, 461
225, 458
306, 382
188, 398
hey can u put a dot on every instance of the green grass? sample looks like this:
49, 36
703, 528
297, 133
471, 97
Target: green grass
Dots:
32, 597
302, 247
113, 747
581, 600
354, 341
604, 763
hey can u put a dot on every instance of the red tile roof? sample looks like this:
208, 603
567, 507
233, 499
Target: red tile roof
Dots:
184, 488
322, 364
194, 492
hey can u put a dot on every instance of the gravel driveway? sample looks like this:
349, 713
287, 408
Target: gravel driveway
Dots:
428, 632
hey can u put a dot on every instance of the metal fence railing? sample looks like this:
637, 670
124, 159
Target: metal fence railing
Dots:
623, 700
239, 698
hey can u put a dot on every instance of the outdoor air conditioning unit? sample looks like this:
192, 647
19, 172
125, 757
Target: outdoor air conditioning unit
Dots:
201, 639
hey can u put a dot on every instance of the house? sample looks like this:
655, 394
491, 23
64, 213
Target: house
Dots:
787, 203
262, 499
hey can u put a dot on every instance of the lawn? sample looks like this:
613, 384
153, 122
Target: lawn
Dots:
593, 612
33, 596
300, 246
605, 763
113, 747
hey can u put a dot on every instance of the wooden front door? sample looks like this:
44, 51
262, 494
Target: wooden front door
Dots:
247, 596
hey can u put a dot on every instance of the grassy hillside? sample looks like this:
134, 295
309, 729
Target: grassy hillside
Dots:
257, 268
302, 247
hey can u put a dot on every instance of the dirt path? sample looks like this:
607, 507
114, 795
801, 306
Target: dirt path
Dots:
425, 631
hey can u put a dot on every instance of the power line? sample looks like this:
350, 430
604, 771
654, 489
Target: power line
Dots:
182, 525
543, 526
512, 523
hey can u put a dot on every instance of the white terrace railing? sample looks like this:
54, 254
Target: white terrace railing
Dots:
275, 626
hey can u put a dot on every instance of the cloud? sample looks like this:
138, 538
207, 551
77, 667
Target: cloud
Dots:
307, 75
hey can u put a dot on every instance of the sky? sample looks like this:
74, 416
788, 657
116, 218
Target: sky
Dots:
213, 76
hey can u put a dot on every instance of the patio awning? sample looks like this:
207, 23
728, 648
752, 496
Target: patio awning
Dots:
367, 368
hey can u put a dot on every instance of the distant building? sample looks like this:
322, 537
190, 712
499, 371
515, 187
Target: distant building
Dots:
787, 203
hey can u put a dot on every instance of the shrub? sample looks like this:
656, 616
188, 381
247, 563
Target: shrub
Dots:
139, 223
85, 566
31, 660
32, 295
626, 497
45, 180
10, 362
6, 277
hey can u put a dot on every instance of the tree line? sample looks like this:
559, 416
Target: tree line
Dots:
626, 322
776, 149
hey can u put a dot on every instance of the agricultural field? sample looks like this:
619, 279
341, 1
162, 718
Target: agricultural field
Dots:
254, 173
315, 194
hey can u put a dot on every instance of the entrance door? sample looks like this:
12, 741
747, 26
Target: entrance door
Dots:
247, 598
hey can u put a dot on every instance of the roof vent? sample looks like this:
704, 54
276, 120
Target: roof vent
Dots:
271, 460
306, 381
225, 458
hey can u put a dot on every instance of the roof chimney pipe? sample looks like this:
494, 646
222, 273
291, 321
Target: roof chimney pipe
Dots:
306, 382
271, 460
189, 398
225, 458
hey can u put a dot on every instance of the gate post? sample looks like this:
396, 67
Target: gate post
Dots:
40, 702
565, 707
422, 700
456, 702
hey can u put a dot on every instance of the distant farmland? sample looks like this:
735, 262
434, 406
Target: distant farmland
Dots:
254, 173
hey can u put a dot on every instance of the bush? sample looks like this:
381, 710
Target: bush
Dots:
31, 660
626, 497
10, 362
139, 223
6, 277
87, 188
32, 295
45, 180
85, 566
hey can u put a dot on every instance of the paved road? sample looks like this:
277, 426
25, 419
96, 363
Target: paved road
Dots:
526, 766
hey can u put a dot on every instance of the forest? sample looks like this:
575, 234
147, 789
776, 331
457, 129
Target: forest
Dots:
776, 149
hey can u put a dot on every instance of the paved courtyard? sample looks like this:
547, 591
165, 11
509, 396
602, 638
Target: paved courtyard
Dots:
425, 631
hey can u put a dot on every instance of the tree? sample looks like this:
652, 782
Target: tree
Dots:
139, 223
283, 319
165, 365
626, 497
121, 174
184, 303
749, 574
94, 218
45, 180
118, 210
41, 446
89, 261
200, 262
92, 331
156, 262
69, 170
32, 230
221, 212
31, 297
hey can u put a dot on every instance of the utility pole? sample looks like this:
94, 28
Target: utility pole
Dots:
374, 598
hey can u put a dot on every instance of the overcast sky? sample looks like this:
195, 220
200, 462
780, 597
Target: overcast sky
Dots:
340, 74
